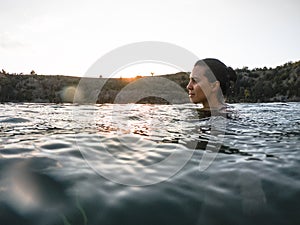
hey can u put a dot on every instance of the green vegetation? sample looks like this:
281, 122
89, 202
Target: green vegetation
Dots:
257, 85
268, 85
34, 88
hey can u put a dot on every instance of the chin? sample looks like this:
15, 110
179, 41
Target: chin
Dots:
193, 101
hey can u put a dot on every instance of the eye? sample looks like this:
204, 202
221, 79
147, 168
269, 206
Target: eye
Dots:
192, 79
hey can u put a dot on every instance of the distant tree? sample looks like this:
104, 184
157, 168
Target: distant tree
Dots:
254, 75
152, 73
245, 69
3, 72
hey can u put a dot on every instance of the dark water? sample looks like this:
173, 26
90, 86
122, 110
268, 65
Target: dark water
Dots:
108, 164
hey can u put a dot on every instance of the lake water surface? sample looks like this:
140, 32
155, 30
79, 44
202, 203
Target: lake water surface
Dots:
149, 164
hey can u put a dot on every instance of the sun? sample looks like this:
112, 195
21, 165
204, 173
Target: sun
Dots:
145, 69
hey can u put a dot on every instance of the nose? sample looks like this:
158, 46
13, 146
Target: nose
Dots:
189, 86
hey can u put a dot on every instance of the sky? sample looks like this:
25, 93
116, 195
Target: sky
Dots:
65, 37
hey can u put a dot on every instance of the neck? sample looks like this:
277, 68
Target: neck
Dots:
213, 104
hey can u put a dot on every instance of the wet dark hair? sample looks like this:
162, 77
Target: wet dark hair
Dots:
218, 71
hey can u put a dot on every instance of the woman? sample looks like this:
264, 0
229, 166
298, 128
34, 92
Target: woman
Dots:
210, 80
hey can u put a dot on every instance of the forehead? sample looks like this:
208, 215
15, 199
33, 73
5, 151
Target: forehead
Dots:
198, 71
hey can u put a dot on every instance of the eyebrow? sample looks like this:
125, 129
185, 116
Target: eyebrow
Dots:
194, 77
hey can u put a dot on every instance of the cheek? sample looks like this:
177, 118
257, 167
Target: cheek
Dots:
204, 88
198, 89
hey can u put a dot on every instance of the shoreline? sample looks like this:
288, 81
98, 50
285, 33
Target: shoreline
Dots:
280, 84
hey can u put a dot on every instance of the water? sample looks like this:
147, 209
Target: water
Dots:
108, 164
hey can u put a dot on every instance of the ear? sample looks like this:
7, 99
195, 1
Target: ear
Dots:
215, 86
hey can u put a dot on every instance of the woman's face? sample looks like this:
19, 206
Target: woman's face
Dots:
199, 87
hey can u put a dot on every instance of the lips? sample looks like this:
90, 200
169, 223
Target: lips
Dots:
191, 94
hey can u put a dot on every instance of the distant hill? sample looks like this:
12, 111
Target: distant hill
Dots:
268, 85
257, 85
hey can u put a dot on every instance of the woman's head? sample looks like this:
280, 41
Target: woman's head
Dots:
210, 80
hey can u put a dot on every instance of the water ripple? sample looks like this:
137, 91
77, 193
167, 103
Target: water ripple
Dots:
45, 178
